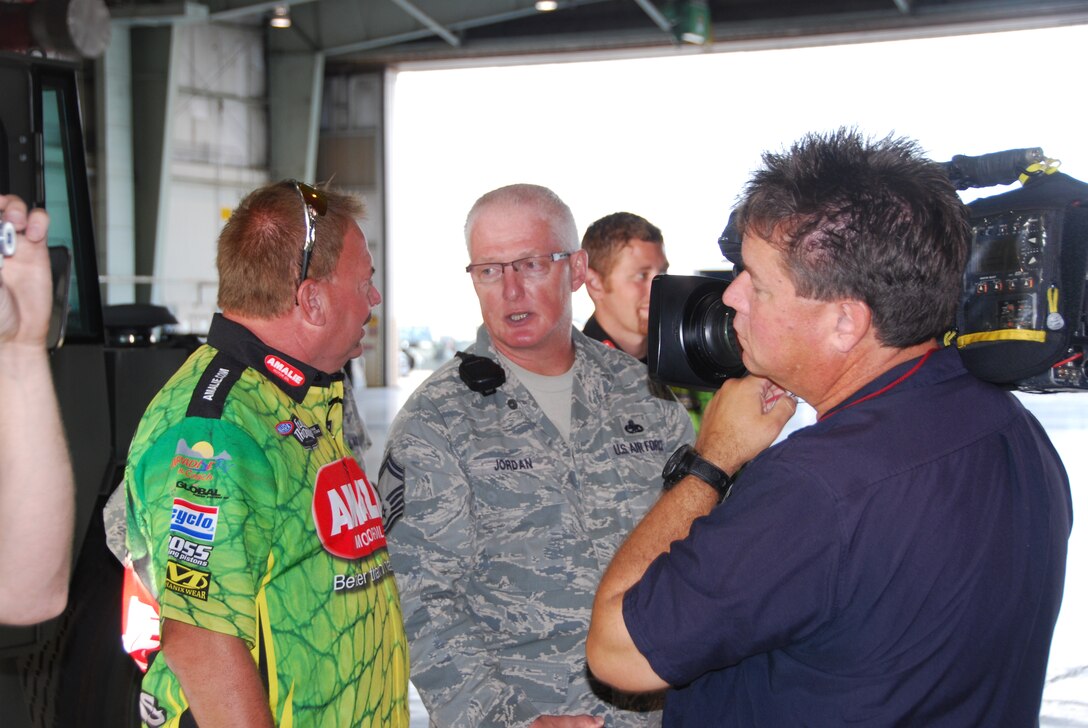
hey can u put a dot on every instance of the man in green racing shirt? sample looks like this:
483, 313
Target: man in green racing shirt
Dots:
249, 521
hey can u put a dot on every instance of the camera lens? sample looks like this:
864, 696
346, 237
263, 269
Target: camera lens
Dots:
691, 340
709, 338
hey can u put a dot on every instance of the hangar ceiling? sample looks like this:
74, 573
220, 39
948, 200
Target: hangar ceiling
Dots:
382, 32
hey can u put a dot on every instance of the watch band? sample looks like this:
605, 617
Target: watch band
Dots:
686, 461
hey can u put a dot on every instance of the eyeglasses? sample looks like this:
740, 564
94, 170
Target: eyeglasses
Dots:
314, 204
533, 266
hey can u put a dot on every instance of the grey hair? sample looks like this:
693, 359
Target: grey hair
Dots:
537, 199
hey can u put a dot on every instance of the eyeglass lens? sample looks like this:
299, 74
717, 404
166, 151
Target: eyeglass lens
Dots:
533, 266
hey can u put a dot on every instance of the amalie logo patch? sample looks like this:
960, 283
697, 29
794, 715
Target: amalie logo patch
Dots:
347, 514
284, 371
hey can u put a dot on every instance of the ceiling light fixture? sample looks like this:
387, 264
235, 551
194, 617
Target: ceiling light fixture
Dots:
281, 17
546, 6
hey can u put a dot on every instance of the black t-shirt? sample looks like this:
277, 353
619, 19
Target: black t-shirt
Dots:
593, 330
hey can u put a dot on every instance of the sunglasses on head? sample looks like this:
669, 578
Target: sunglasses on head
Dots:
314, 205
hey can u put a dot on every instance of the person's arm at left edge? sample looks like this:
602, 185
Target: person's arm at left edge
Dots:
37, 502
734, 430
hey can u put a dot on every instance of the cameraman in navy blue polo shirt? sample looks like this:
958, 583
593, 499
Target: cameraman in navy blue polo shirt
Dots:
901, 561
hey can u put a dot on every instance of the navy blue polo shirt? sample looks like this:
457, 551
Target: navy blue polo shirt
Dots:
899, 562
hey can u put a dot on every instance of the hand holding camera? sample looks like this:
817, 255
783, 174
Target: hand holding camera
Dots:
26, 281
743, 419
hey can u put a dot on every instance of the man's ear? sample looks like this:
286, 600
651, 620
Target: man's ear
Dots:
853, 322
311, 303
579, 264
594, 282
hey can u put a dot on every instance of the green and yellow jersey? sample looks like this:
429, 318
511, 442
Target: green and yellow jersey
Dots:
249, 516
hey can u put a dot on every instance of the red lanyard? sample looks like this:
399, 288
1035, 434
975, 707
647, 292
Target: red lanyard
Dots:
907, 375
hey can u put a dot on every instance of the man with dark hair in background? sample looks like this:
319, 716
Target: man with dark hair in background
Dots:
899, 562
625, 252
510, 477
249, 520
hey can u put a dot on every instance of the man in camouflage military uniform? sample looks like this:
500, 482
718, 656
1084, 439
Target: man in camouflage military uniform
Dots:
510, 478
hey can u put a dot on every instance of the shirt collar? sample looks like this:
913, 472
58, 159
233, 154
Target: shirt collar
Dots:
934, 366
292, 376
594, 330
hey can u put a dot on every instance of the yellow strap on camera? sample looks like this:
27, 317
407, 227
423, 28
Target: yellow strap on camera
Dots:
1003, 335
1045, 166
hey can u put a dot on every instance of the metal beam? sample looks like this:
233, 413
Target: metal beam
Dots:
655, 15
395, 39
164, 14
154, 90
428, 21
185, 11
374, 27
255, 8
295, 85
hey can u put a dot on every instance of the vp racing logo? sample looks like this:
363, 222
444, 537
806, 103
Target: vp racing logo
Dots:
347, 514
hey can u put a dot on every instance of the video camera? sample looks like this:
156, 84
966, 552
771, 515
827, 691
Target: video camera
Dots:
691, 339
1022, 322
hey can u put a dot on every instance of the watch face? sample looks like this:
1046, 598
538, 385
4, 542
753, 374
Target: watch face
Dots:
677, 466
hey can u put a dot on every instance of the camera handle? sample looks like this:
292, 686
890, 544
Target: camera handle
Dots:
995, 168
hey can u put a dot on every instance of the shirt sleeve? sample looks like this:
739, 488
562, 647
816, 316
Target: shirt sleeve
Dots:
204, 497
756, 573
431, 531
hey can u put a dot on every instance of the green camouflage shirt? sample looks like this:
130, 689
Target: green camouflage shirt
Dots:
250, 516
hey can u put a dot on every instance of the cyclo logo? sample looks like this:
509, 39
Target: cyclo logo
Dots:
194, 520
347, 514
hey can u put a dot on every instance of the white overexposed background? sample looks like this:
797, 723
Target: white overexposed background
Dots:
674, 139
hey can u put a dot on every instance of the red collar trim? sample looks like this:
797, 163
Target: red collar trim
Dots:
907, 375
